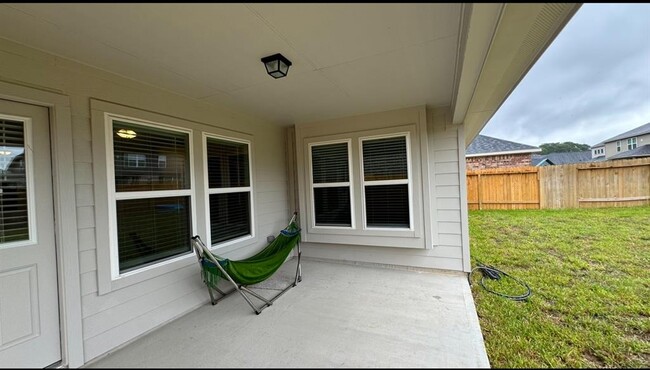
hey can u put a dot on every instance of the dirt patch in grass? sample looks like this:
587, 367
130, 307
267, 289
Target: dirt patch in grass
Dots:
593, 359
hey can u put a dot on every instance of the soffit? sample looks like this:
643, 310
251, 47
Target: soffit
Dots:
347, 58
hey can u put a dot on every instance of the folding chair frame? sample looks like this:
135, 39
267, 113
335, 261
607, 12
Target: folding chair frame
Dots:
202, 251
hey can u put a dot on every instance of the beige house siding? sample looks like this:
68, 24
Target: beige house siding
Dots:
114, 318
610, 148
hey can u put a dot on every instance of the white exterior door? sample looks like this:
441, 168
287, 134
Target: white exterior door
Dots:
29, 306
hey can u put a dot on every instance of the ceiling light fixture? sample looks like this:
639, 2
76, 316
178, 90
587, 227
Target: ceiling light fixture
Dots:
127, 134
276, 65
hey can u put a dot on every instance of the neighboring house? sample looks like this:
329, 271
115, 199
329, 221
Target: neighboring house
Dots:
621, 143
490, 152
639, 152
149, 123
551, 159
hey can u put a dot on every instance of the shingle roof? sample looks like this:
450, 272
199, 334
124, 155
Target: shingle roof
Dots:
486, 145
641, 130
562, 158
638, 152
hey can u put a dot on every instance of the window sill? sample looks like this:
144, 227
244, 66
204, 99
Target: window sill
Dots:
408, 239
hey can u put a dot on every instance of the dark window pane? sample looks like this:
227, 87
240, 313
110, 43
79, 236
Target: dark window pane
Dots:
138, 158
229, 216
227, 164
332, 206
387, 206
14, 222
150, 230
385, 159
330, 163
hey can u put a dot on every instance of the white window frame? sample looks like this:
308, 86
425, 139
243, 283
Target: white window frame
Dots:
408, 180
618, 146
209, 191
29, 182
349, 184
115, 196
136, 158
631, 143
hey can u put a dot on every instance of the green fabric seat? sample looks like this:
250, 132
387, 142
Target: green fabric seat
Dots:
251, 270
257, 268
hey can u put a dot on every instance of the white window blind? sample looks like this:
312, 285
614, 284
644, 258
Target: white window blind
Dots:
14, 221
386, 182
229, 187
330, 165
153, 202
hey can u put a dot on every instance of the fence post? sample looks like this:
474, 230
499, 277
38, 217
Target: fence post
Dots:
478, 184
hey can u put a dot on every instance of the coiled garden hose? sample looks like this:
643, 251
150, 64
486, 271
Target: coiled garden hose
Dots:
496, 274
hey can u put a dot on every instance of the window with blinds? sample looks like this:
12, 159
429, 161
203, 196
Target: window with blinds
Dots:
152, 201
386, 182
14, 217
229, 189
330, 165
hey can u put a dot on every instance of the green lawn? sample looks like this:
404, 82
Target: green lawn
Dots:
589, 270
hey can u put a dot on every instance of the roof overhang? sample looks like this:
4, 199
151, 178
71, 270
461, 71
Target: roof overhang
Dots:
523, 151
348, 59
489, 71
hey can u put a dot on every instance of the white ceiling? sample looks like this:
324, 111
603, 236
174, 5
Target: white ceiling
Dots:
347, 58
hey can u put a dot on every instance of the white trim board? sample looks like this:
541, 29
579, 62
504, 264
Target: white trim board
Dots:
65, 212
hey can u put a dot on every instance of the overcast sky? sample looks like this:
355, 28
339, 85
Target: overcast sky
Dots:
592, 83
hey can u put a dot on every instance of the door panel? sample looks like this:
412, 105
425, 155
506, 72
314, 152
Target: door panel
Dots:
29, 314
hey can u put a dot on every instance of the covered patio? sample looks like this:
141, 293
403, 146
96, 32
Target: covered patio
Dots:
144, 125
340, 315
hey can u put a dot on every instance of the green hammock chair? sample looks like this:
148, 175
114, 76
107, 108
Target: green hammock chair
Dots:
251, 270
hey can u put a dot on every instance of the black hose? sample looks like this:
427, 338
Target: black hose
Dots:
496, 274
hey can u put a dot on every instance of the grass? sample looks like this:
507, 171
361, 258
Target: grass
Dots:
589, 270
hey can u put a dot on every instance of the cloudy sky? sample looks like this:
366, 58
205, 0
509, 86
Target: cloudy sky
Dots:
592, 83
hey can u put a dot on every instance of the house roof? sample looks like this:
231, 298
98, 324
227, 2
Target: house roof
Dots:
561, 158
486, 145
641, 130
638, 152
348, 59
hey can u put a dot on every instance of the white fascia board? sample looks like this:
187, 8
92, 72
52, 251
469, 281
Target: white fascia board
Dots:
523, 33
504, 153
478, 25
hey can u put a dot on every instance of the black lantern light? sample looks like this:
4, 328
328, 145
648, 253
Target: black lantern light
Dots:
276, 65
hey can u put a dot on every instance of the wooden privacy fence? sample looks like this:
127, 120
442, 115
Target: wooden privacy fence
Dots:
620, 183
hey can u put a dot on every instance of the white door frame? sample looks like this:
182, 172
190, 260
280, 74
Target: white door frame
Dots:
65, 213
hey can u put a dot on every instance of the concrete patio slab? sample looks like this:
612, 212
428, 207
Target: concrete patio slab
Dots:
340, 315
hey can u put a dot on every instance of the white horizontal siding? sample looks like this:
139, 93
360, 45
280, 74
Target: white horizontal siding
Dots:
87, 261
446, 199
112, 319
450, 240
422, 258
447, 155
449, 227
82, 151
86, 239
446, 167
447, 179
448, 203
142, 324
108, 319
84, 195
448, 215
448, 191
85, 217
88, 283
83, 174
